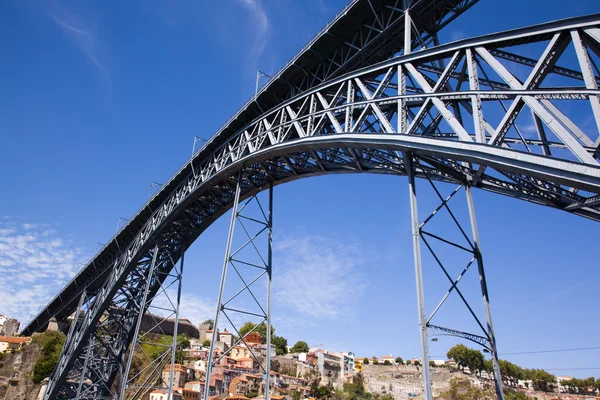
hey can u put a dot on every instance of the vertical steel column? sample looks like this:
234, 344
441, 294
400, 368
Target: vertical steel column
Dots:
407, 28
269, 277
138, 324
485, 295
174, 344
408, 160
223, 277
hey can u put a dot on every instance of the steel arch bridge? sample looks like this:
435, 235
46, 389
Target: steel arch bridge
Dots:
515, 113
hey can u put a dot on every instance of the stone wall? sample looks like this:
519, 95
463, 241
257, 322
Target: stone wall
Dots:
168, 326
399, 381
10, 327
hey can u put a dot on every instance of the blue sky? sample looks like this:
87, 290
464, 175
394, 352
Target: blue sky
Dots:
98, 100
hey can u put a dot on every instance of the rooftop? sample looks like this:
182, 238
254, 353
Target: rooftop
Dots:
14, 339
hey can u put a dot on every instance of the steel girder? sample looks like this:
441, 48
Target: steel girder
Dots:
362, 122
364, 32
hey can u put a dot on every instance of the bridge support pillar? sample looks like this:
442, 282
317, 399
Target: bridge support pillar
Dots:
152, 331
423, 167
486, 300
251, 261
408, 157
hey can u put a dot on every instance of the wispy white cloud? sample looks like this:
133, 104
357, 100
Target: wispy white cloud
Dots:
82, 33
34, 263
192, 307
261, 27
318, 277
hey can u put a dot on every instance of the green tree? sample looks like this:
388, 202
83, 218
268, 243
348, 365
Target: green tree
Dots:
206, 343
51, 344
375, 362
458, 353
387, 362
543, 380
365, 361
417, 363
280, 344
399, 361
488, 366
357, 388
300, 347
210, 322
475, 361
431, 364
408, 362
262, 329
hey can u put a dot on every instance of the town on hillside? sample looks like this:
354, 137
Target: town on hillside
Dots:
297, 372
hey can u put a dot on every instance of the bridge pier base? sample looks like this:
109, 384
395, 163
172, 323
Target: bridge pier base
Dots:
464, 243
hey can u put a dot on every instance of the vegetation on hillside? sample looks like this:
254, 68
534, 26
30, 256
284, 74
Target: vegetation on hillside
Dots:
51, 344
582, 385
279, 342
351, 391
461, 389
300, 347
474, 360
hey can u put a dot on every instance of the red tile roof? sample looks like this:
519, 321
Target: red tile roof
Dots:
14, 339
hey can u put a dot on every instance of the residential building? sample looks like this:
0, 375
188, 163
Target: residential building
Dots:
199, 365
180, 374
247, 363
389, 359
227, 338
525, 383
451, 364
358, 366
253, 337
561, 387
254, 382
197, 344
188, 394
312, 359
239, 352
261, 349
198, 387
238, 386
162, 394
347, 362
329, 365
8, 343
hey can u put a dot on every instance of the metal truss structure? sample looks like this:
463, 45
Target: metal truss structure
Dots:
467, 245
515, 113
256, 222
144, 372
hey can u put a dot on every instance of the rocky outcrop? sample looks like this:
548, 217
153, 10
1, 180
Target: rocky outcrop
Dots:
16, 374
402, 381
